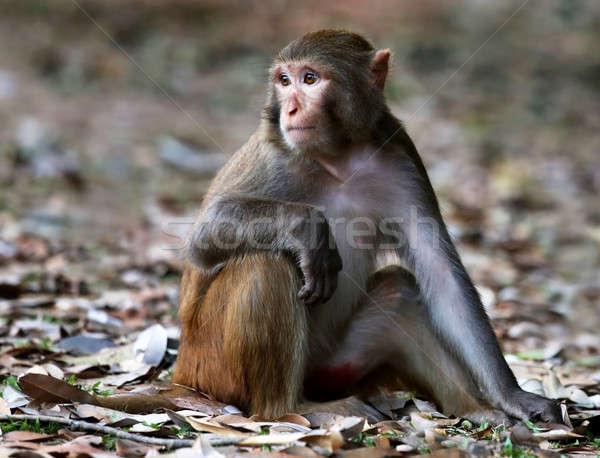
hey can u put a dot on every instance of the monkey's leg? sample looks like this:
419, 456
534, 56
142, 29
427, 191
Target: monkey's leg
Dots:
245, 341
393, 332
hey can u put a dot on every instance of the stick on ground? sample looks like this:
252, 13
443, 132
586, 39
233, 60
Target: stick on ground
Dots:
77, 425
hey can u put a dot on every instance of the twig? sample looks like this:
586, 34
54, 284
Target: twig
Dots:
78, 425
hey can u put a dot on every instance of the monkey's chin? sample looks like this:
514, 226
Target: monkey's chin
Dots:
301, 140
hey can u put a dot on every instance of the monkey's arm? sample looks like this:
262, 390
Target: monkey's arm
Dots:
232, 225
455, 306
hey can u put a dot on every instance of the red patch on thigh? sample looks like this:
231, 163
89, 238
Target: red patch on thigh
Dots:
331, 382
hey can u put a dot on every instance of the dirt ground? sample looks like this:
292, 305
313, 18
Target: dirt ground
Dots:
115, 115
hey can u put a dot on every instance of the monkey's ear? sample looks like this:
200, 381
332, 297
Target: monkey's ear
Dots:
379, 67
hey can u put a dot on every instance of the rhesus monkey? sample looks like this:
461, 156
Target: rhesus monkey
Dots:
287, 298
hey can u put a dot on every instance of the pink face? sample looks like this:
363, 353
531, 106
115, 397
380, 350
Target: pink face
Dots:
300, 90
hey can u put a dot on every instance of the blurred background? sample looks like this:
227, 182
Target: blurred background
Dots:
114, 116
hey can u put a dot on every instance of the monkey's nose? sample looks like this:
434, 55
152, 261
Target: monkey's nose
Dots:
293, 111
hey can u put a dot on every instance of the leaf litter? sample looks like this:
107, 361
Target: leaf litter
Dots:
60, 356
83, 320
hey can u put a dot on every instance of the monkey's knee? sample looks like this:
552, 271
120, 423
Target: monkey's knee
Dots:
396, 281
252, 348
419, 360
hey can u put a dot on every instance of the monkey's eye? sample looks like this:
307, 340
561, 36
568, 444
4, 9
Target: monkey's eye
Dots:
310, 78
284, 79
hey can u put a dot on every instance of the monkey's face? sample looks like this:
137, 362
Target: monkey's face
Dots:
301, 91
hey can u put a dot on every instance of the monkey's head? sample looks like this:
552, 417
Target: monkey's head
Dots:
326, 91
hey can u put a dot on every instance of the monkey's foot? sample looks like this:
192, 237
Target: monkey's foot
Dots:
530, 406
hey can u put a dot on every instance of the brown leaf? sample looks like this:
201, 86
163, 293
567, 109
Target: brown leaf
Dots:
368, 452
285, 427
14, 436
382, 442
557, 435
135, 403
83, 445
111, 416
348, 427
330, 441
29, 445
4, 409
272, 439
195, 402
319, 419
231, 420
297, 450
239, 422
479, 434
132, 449
176, 418
421, 423
207, 426
295, 418
448, 453
44, 388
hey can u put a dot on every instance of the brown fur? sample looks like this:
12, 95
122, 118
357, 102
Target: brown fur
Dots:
246, 337
244, 341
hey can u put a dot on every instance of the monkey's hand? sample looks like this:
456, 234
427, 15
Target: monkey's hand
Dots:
530, 406
320, 262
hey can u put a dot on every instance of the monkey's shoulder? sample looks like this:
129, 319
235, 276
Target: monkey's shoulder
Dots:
262, 168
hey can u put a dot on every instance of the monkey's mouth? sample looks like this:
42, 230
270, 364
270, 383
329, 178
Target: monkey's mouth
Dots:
301, 128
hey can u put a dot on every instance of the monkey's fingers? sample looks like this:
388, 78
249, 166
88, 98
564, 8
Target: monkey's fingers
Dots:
306, 290
317, 293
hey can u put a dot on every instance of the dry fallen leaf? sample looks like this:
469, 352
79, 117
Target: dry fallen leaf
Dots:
557, 434
421, 423
295, 418
44, 388
26, 436
151, 345
201, 448
110, 355
348, 427
209, 426
4, 409
14, 398
113, 416
131, 449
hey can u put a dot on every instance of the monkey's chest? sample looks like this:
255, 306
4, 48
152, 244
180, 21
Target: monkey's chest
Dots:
354, 223
354, 228
354, 218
